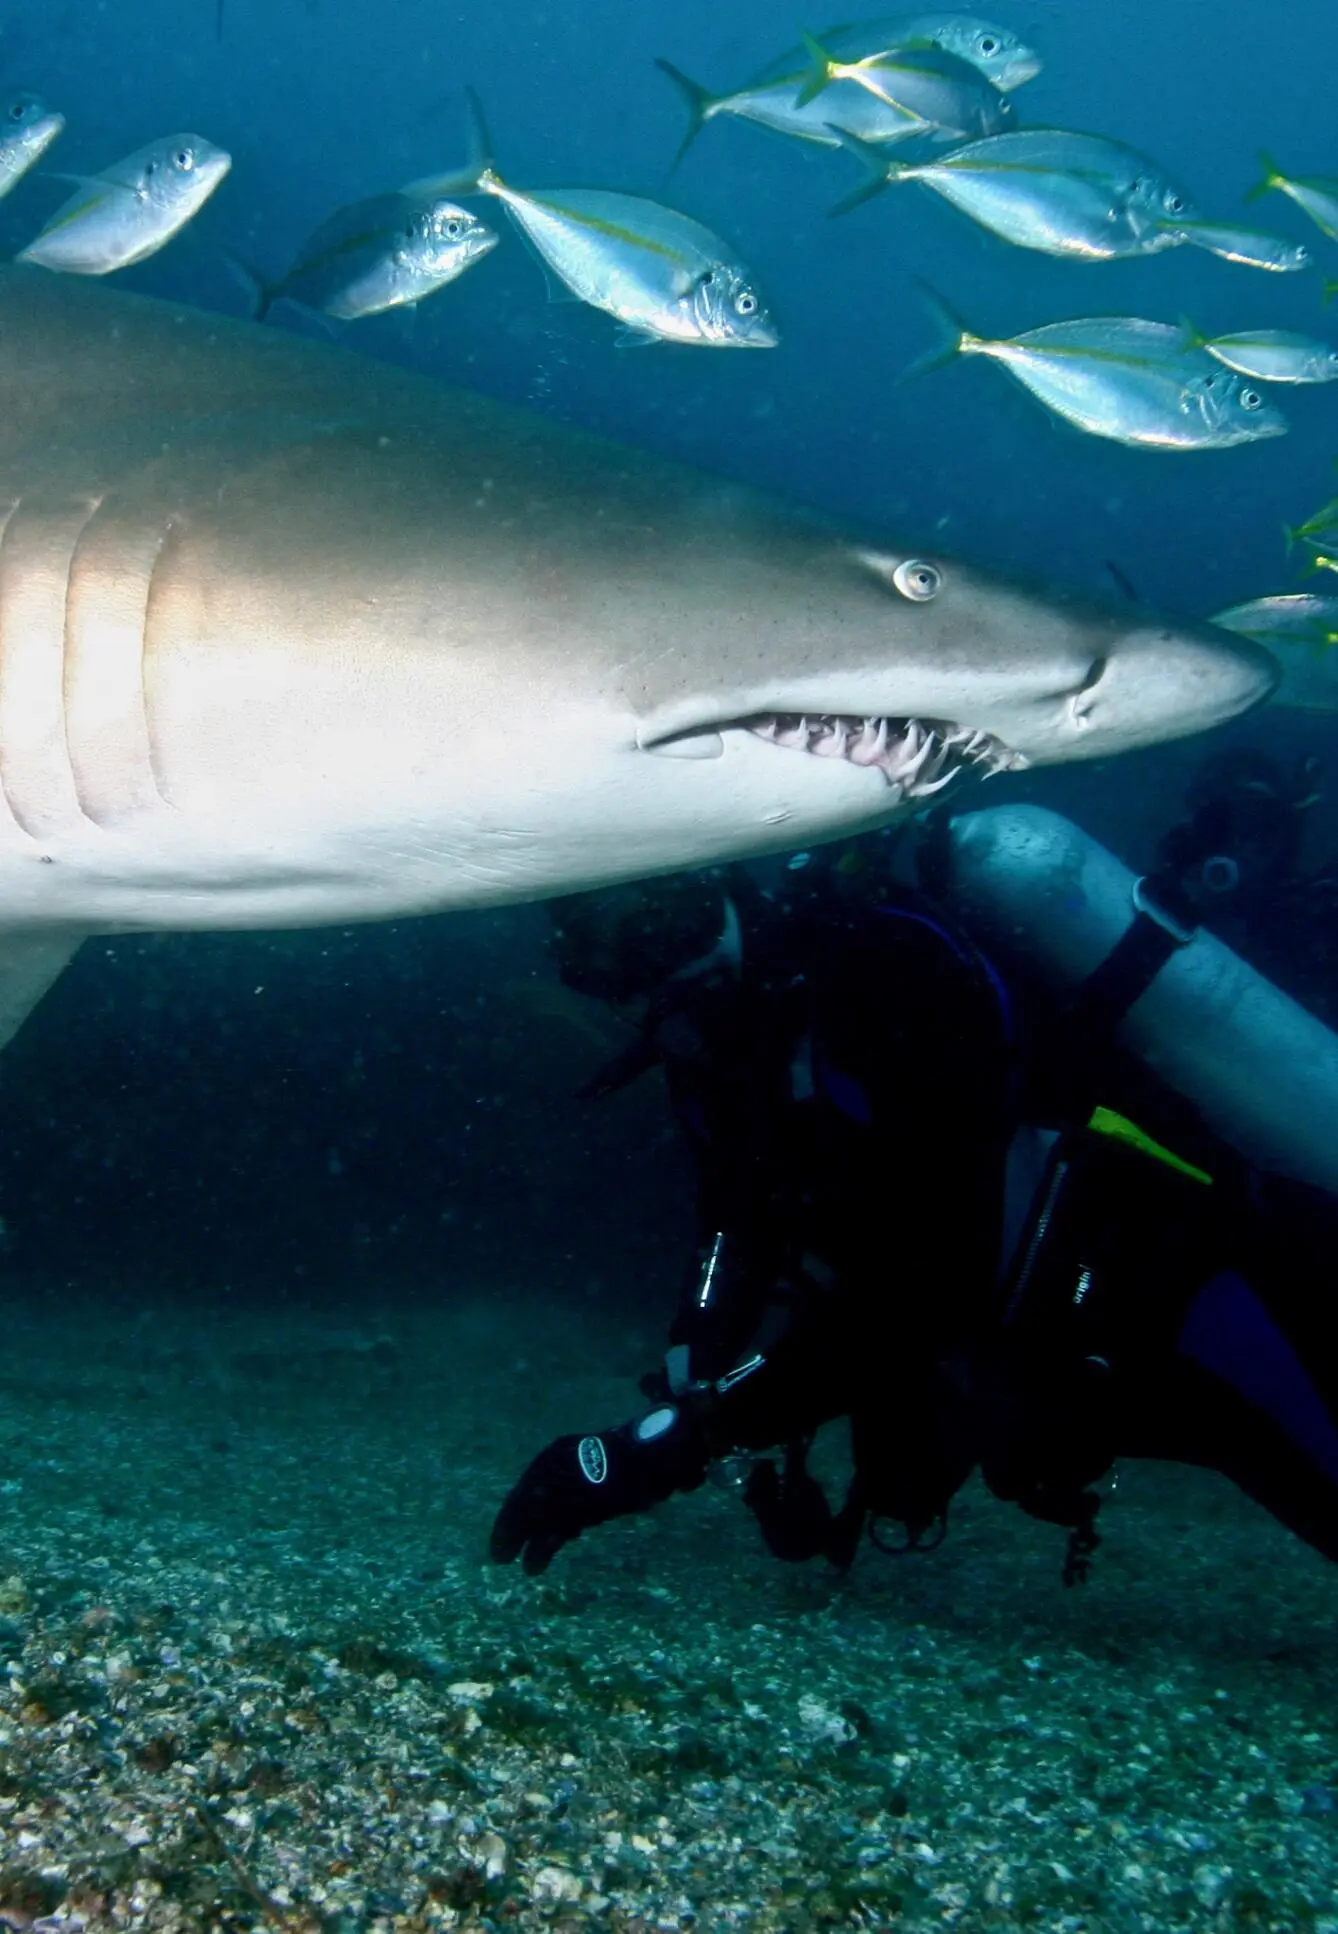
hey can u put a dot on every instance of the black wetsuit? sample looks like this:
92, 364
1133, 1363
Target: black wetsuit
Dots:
851, 1087
849, 1092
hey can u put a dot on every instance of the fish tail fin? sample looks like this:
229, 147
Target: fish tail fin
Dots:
479, 167
1269, 178
954, 336
478, 154
1330, 290
1290, 537
819, 74
699, 103
260, 295
1191, 335
879, 171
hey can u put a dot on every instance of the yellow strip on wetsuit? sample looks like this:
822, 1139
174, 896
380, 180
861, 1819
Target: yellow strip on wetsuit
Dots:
1106, 1122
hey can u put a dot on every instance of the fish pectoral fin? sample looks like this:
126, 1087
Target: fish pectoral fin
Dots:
30, 963
629, 337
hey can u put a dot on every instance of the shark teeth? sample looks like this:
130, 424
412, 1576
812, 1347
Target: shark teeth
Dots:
918, 757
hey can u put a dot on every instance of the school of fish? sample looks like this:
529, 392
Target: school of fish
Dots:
924, 99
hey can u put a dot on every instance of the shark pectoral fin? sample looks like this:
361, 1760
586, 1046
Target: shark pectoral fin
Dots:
30, 963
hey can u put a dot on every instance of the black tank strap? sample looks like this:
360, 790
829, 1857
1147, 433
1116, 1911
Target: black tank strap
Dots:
1163, 923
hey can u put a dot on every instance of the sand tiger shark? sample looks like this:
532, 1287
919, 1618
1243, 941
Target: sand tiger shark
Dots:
288, 636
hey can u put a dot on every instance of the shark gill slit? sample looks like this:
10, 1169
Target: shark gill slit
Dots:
7, 511
108, 737
37, 549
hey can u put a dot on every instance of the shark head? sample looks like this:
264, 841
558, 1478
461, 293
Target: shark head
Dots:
844, 688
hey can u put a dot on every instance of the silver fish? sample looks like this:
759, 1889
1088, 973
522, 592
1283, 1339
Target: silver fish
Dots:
665, 277
1301, 630
1127, 379
27, 129
1254, 247
770, 100
132, 208
949, 96
387, 252
1005, 60
1045, 188
1316, 194
1274, 355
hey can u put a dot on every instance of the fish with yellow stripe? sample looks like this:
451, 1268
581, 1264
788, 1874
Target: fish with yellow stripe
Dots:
130, 210
663, 276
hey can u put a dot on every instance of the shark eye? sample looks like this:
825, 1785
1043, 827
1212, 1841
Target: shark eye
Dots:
917, 580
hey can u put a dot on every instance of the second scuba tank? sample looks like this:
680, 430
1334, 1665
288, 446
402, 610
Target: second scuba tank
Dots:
1262, 1071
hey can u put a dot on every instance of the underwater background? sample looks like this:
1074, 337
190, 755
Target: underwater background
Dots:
234, 1168
229, 1145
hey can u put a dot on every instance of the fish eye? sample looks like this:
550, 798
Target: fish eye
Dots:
184, 160
988, 45
745, 303
454, 229
18, 110
1173, 203
917, 580
1250, 399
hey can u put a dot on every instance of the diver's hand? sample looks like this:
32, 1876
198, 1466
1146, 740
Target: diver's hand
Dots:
582, 1481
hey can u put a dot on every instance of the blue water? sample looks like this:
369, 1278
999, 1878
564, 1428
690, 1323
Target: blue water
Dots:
321, 103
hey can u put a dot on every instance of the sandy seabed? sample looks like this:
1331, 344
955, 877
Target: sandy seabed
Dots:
255, 1672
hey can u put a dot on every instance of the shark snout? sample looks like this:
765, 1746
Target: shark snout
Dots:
1163, 681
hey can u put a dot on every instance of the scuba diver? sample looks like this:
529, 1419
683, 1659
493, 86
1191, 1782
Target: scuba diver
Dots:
945, 1207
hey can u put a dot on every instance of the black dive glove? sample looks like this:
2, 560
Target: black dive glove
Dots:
582, 1481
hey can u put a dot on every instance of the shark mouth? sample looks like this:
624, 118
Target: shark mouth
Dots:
916, 756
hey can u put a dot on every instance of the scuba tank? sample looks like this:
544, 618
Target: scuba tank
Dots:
1260, 1069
